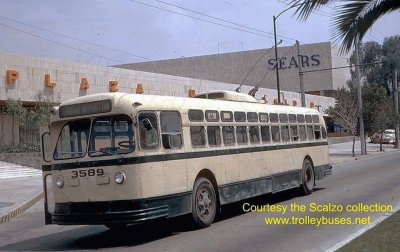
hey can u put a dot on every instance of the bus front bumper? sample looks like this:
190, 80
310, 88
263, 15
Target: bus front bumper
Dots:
83, 216
125, 211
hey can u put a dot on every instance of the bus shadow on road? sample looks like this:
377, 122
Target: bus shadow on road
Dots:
236, 209
98, 237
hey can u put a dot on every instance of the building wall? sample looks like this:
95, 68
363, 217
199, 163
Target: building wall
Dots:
67, 77
257, 65
9, 130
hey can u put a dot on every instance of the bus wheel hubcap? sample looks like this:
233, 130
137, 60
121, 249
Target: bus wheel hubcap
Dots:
204, 202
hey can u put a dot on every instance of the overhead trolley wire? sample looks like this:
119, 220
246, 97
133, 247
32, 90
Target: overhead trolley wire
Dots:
204, 20
58, 43
237, 24
73, 38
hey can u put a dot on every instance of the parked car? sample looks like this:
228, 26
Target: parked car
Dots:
387, 137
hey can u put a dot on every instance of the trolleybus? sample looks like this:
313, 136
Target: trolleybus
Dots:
116, 159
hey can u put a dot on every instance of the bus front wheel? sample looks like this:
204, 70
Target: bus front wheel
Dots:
308, 178
204, 203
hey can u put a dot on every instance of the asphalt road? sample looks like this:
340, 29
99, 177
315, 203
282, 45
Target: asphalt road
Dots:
369, 181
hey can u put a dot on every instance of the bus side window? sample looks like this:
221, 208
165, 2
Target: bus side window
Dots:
241, 134
302, 133
254, 133
148, 131
317, 132
265, 134
294, 133
310, 133
214, 135
276, 137
285, 133
197, 135
171, 129
323, 132
228, 134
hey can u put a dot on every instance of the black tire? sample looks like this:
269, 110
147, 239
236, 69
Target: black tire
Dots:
204, 203
307, 178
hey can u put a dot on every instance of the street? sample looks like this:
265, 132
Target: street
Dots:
371, 181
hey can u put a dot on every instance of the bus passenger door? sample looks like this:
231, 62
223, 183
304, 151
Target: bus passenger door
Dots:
46, 161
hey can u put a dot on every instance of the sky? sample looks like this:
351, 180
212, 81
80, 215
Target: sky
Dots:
112, 32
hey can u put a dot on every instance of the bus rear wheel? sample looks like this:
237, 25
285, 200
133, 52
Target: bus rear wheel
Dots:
308, 178
204, 203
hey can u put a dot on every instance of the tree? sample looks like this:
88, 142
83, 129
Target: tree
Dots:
36, 116
345, 112
384, 117
40, 115
353, 18
377, 78
17, 112
378, 62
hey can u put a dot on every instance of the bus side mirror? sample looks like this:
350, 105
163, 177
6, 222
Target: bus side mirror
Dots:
46, 147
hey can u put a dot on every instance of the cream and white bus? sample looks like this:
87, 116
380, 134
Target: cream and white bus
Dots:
116, 159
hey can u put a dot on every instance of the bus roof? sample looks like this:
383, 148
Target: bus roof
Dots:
121, 102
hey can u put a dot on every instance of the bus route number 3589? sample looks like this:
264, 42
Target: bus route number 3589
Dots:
89, 172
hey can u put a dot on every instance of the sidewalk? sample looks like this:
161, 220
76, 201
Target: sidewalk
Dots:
340, 153
21, 187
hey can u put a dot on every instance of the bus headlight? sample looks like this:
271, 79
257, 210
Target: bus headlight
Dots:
59, 182
119, 177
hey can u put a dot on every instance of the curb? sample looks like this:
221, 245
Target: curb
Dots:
361, 231
20, 209
368, 156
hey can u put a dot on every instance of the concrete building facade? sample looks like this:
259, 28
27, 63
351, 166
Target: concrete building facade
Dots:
257, 68
24, 78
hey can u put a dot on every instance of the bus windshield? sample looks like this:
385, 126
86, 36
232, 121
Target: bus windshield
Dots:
109, 136
73, 140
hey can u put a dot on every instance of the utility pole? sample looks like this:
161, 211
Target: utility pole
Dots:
301, 76
276, 61
274, 18
396, 106
359, 98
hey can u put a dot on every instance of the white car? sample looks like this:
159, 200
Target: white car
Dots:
387, 137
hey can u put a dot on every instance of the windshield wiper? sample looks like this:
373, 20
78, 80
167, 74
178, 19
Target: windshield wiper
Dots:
102, 151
